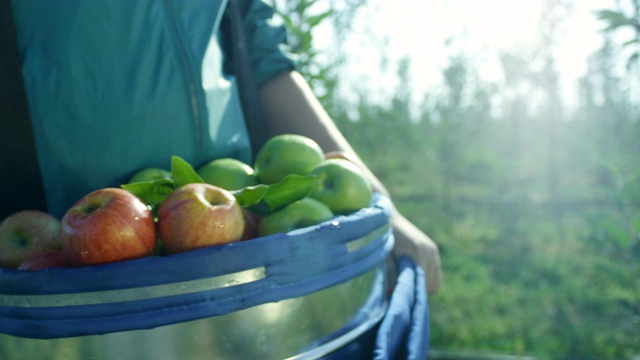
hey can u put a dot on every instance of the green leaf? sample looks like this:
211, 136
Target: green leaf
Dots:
266, 199
302, 6
183, 173
615, 19
251, 195
315, 20
287, 21
290, 189
151, 193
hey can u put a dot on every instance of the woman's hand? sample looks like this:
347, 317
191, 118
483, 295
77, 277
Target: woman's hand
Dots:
412, 242
409, 240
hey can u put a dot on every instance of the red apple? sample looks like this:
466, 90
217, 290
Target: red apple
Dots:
51, 259
251, 223
198, 215
27, 233
107, 225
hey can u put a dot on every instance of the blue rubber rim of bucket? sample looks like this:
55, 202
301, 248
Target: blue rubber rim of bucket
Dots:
155, 291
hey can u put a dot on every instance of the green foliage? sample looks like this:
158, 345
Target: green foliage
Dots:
302, 19
261, 199
266, 199
619, 19
535, 206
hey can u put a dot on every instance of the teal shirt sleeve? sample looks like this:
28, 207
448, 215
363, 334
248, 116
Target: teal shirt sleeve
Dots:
265, 40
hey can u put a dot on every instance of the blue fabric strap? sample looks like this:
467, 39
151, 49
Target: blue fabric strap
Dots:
404, 332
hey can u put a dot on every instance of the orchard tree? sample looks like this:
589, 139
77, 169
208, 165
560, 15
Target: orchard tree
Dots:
625, 18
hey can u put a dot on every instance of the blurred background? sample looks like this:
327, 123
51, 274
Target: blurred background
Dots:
509, 131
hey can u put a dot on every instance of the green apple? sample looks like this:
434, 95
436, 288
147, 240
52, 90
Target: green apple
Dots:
150, 174
286, 154
228, 173
299, 214
341, 185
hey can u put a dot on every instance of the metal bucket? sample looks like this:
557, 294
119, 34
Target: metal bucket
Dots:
297, 295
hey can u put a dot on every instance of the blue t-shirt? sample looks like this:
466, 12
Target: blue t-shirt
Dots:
115, 86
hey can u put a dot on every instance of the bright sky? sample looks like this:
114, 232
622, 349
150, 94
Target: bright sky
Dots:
419, 29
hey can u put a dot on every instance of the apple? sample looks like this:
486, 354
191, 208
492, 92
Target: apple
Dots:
338, 155
286, 154
198, 215
299, 214
107, 225
150, 174
341, 185
50, 259
228, 173
251, 223
27, 233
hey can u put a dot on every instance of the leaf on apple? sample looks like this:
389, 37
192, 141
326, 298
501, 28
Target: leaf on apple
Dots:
261, 199
182, 173
250, 196
152, 192
290, 189
266, 199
